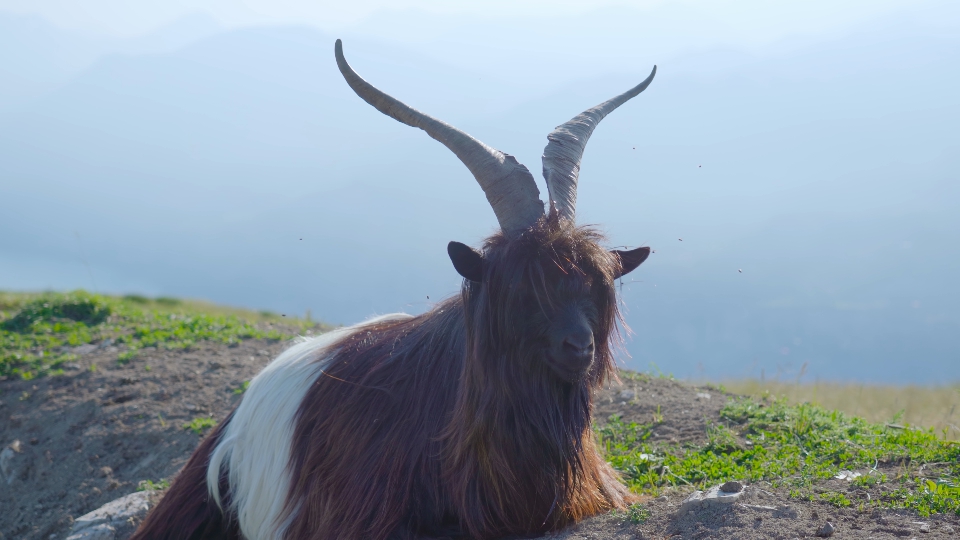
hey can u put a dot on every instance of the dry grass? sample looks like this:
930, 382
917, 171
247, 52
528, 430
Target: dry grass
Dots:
923, 406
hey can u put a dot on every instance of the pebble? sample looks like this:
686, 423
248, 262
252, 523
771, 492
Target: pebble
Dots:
826, 530
627, 394
662, 498
703, 395
713, 497
925, 528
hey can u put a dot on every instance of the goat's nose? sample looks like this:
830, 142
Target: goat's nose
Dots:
579, 345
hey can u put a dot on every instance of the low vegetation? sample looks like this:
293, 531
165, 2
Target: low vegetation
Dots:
41, 332
795, 447
928, 406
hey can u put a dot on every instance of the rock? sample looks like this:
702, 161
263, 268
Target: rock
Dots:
84, 349
6, 461
713, 497
925, 528
114, 520
731, 487
105, 471
626, 394
826, 530
662, 498
103, 531
847, 475
703, 395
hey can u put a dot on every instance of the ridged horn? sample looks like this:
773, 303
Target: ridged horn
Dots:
561, 157
508, 185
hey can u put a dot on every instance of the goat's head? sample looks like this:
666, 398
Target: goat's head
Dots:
539, 296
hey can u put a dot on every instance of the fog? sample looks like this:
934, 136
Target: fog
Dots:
799, 184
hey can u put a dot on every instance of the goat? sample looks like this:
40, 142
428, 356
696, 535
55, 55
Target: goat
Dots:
469, 421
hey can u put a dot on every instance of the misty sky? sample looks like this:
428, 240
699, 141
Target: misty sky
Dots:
806, 154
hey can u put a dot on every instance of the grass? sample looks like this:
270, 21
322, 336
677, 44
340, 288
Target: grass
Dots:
793, 446
199, 424
936, 407
39, 330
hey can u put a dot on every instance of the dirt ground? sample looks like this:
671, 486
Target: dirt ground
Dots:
91, 435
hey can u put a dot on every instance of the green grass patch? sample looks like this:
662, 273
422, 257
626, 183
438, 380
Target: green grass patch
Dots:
38, 331
792, 446
150, 485
199, 424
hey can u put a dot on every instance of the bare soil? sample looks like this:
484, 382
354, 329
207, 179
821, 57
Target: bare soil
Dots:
93, 434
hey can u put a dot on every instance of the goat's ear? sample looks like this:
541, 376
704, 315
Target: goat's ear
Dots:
467, 261
630, 260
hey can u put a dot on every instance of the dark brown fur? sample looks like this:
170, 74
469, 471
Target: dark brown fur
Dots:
450, 424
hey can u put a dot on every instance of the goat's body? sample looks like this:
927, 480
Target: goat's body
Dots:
348, 436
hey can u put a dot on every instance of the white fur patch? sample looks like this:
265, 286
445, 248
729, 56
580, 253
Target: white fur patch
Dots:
256, 444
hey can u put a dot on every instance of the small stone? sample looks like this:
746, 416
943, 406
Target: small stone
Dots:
703, 395
713, 497
948, 529
84, 349
847, 475
731, 487
72, 366
105, 471
262, 352
662, 498
925, 528
826, 530
626, 394
103, 531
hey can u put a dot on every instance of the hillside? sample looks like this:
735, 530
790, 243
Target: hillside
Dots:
100, 397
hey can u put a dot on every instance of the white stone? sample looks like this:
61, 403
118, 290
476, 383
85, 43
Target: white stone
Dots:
627, 394
847, 475
119, 510
102, 531
703, 395
6, 458
711, 498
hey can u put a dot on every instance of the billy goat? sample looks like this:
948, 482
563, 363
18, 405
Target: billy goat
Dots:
469, 421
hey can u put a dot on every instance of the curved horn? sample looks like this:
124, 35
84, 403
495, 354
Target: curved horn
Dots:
509, 186
561, 157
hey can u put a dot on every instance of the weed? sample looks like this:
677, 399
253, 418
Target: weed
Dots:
836, 498
126, 356
243, 387
637, 513
199, 424
150, 485
657, 416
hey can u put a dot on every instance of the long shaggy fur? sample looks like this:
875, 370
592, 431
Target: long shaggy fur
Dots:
448, 424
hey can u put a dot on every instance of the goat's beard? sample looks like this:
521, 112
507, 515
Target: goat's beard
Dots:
518, 453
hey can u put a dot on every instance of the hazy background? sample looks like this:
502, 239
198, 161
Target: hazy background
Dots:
210, 149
